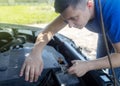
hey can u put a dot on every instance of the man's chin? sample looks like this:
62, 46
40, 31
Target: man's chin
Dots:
80, 27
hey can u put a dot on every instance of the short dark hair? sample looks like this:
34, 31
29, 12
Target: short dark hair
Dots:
61, 5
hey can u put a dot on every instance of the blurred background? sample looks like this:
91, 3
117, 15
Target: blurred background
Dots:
41, 12
26, 11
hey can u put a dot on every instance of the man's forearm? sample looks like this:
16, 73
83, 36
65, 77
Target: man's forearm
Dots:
104, 63
45, 36
33, 64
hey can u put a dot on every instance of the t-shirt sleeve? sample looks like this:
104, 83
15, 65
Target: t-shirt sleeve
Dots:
114, 27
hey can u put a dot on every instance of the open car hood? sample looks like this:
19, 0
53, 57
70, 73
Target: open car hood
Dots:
16, 41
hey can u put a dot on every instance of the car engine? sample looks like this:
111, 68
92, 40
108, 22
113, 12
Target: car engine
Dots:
16, 42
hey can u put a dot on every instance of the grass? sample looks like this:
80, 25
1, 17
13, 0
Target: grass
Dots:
42, 13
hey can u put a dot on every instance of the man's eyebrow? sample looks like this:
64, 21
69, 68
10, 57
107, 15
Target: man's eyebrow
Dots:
65, 20
62, 17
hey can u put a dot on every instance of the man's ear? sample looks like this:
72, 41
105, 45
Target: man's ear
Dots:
90, 3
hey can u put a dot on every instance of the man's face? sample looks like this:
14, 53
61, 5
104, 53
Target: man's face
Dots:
76, 17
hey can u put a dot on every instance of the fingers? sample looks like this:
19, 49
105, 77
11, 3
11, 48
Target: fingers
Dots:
27, 72
78, 68
32, 69
38, 72
75, 61
22, 70
71, 70
74, 68
31, 74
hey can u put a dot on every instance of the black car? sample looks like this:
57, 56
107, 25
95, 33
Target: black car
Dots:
16, 41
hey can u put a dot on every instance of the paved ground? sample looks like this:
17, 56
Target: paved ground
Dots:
85, 39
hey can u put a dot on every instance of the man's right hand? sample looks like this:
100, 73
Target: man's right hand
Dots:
33, 64
32, 67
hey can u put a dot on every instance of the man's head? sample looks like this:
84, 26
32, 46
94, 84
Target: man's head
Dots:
61, 5
75, 12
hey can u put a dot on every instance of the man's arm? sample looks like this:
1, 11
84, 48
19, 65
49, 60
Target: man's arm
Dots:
33, 64
104, 63
81, 67
45, 36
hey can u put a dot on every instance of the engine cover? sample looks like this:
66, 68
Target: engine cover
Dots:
11, 62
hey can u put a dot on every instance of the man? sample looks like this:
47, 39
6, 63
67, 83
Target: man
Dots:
79, 13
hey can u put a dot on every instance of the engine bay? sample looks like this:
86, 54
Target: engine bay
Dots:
16, 42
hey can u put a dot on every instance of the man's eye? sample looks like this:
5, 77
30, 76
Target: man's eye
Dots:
66, 21
74, 18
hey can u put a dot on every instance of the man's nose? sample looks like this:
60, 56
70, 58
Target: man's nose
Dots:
70, 24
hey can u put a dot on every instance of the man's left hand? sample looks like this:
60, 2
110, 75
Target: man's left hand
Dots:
79, 68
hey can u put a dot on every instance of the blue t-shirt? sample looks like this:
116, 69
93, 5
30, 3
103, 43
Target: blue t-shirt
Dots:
111, 18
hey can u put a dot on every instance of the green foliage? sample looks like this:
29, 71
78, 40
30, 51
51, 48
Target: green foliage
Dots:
42, 13
3, 1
